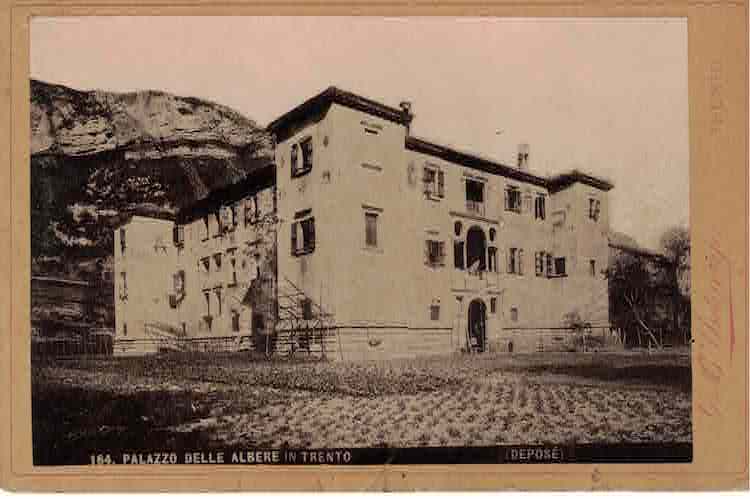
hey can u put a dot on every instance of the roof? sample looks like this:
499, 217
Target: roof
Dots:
638, 251
472, 161
317, 105
560, 182
321, 102
255, 181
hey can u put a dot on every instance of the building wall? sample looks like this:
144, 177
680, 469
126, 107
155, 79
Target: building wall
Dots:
385, 300
382, 296
143, 268
239, 258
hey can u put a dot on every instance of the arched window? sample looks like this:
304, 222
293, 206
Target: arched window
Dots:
476, 249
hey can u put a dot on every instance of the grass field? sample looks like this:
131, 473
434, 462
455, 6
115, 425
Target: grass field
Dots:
214, 401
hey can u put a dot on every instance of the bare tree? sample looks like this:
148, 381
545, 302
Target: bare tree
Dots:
675, 243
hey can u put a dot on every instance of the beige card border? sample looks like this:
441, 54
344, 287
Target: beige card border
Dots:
718, 83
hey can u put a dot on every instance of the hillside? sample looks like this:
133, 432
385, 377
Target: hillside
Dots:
95, 156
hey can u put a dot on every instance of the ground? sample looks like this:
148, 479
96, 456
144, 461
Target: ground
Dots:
210, 402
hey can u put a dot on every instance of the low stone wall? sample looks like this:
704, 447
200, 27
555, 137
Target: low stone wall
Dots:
150, 346
556, 340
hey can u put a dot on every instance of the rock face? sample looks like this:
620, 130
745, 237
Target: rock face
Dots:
95, 156
76, 123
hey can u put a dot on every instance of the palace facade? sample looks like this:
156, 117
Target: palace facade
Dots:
363, 241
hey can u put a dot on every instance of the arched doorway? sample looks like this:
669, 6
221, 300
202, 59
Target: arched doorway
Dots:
476, 249
477, 325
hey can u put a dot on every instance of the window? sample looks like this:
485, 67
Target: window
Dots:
550, 266
435, 312
303, 165
457, 228
515, 261
123, 286
435, 253
124, 328
122, 240
178, 235
303, 236
493, 233
222, 222
458, 254
206, 264
594, 209
205, 228
592, 267
540, 212
542, 263
217, 291
371, 230
306, 306
560, 266
434, 183
514, 314
513, 199
217, 260
493, 305
492, 259
233, 210
233, 265
178, 282
527, 203
235, 321
207, 298
252, 213
294, 158
475, 196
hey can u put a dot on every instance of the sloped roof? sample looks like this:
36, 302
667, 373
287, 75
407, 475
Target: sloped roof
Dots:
255, 181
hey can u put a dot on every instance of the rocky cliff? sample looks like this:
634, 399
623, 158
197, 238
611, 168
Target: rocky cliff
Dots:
96, 156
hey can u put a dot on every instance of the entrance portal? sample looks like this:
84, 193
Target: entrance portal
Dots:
477, 325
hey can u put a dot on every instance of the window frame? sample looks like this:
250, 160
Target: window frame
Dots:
540, 207
439, 260
434, 188
513, 192
594, 209
303, 231
371, 229
302, 157
434, 311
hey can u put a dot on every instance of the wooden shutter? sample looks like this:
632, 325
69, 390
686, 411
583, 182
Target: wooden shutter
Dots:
506, 197
311, 233
520, 262
294, 166
458, 254
294, 238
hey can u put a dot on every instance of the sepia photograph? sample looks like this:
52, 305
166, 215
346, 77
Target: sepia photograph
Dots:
360, 240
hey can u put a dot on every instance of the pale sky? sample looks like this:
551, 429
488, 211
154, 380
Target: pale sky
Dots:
606, 96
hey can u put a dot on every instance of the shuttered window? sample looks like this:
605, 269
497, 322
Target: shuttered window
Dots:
371, 230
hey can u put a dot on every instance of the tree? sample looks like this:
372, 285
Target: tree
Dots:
675, 244
633, 292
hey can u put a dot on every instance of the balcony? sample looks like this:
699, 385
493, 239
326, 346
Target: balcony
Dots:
475, 207
474, 280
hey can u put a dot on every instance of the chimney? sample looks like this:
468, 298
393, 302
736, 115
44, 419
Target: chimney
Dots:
405, 106
523, 157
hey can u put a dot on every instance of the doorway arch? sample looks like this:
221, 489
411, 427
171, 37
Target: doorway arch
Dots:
477, 325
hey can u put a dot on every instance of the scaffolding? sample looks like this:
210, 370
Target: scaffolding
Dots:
303, 326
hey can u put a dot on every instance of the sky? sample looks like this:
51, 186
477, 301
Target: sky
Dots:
608, 96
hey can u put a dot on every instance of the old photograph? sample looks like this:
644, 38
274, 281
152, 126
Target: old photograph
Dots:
359, 240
